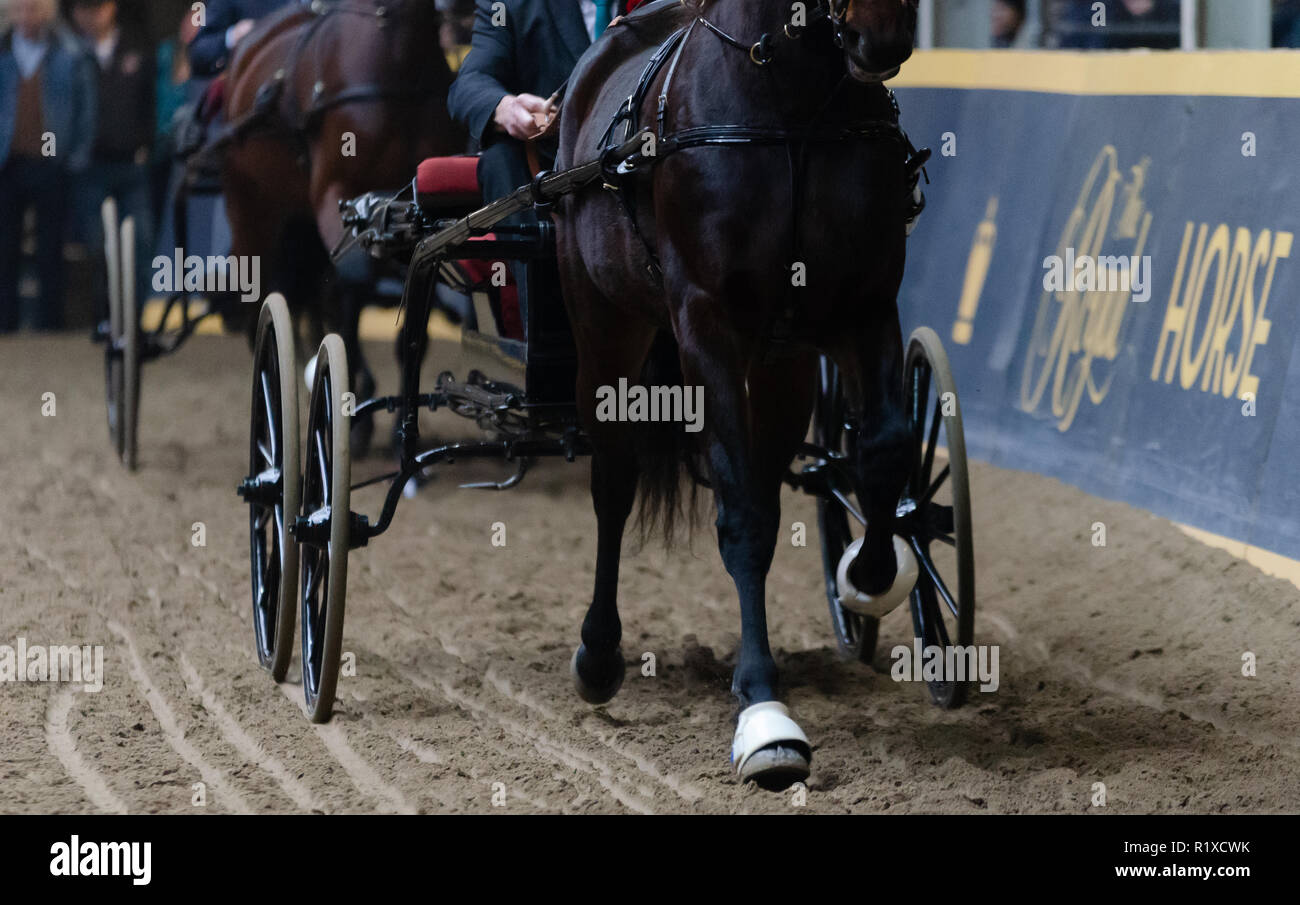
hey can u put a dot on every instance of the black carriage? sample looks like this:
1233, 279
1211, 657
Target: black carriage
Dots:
302, 524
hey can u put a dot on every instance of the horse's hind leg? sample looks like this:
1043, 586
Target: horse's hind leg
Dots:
754, 421
871, 365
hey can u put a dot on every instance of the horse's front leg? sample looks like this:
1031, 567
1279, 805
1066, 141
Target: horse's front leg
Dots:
769, 747
871, 364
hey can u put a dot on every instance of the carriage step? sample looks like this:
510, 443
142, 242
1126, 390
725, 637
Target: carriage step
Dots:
314, 530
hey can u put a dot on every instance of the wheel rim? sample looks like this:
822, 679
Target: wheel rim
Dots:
266, 521
114, 380
325, 533
114, 391
317, 494
935, 510
856, 634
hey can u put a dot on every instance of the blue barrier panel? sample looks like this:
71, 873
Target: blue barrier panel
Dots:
1187, 403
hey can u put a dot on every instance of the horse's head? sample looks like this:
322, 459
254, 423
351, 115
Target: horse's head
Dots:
877, 35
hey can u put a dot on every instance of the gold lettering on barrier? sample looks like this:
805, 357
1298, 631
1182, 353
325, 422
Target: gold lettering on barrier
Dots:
1236, 258
1076, 331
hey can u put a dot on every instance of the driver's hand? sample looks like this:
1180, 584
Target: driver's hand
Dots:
518, 115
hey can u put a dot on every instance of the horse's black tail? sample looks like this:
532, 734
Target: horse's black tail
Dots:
663, 450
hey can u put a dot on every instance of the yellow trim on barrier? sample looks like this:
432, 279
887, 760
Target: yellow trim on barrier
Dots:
377, 324
1266, 561
1214, 73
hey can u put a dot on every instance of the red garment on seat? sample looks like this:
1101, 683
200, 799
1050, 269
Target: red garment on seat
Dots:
479, 274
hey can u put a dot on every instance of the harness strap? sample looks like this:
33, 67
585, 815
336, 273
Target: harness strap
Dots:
298, 123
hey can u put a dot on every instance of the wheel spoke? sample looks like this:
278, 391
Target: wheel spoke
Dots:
934, 486
931, 619
269, 406
920, 403
318, 627
313, 579
322, 466
936, 580
934, 438
267, 455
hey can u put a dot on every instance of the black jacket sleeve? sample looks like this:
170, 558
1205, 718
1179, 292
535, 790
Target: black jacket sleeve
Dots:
208, 52
487, 74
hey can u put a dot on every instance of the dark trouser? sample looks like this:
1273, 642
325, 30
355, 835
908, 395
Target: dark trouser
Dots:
128, 184
41, 184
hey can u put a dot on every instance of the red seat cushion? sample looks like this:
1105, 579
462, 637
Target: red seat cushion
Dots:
454, 179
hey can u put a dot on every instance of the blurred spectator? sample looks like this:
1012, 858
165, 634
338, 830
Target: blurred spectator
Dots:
457, 30
124, 140
228, 23
47, 133
1128, 23
1008, 19
172, 94
1286, 23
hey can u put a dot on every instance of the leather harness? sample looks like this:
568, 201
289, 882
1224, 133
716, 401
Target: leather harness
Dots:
268, 112
619, 173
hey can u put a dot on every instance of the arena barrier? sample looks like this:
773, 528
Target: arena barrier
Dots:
1187, 403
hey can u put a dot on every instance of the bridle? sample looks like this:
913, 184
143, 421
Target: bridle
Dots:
838, 12
763, 51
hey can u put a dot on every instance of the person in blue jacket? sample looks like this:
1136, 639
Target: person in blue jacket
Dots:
227, 23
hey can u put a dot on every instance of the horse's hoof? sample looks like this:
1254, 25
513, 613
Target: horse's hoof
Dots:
770, 750
880, 604
597, 683
776, 769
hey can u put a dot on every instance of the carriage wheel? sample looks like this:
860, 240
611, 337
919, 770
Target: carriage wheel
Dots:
935, 514
273, 486
113, 376
324, 529
855, 633
130, 411
122, 351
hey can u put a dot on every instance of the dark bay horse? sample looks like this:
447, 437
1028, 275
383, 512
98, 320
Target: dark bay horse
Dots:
326, 101
771, 229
